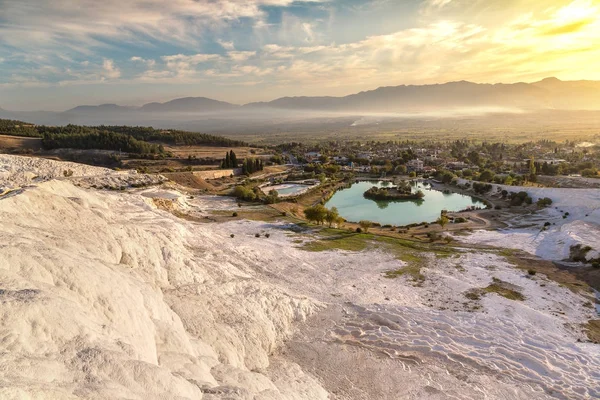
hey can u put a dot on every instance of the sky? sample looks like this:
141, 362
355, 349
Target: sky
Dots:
57, 54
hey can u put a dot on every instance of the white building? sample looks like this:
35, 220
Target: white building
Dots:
415, 165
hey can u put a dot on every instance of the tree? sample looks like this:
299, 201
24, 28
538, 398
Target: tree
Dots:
473, 157
273, 197
332, 216
233, 159
365, 225
442, 220
486, 175
532, 170
316, 213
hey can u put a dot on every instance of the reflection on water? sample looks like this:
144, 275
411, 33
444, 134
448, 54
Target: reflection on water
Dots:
354, 207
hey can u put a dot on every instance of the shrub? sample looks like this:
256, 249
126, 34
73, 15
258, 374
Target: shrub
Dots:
234, 214
232, 235
481, 188
365, 225
544, 202
244, 193
267, 235
547, 223
531, 272
257, 235
284, 214
358, 230
578, 252
516, 199
460, 220
433, 236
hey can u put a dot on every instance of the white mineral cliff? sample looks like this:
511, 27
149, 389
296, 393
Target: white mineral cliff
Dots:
104, 296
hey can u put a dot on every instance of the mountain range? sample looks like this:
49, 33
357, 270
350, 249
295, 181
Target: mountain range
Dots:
452, 98
549, 93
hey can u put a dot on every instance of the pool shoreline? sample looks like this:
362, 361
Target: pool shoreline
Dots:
354, 207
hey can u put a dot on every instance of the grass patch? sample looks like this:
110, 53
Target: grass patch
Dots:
502, 289
473, 294
593, 330
414, 270
408, 251
348, 242
507, 252
499, 287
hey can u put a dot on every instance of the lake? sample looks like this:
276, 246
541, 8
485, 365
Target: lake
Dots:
287, 189
354, 207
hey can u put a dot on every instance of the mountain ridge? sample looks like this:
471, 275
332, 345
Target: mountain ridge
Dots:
548, 93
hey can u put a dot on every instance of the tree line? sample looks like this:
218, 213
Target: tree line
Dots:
101, 141
132, 139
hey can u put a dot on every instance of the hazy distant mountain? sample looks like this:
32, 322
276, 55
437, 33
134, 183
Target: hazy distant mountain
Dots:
110, 108
451, 99
548, 93
189, 104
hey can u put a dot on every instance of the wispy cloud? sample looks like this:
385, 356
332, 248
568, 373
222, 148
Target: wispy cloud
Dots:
288, 46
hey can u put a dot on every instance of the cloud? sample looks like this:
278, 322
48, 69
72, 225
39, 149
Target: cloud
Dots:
110, 70
226, 45
43, 23
148, 62
227, 42
240, 55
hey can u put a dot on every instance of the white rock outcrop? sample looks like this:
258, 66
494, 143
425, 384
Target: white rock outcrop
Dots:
105, 296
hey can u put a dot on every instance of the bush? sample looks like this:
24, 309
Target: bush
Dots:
257, 235
531, 272
578, 252
481, 188
365, 225
517, 199
234, 214
358, 230
244, 193
433, 236
284, 214
232, 235
267, 235
544, 202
